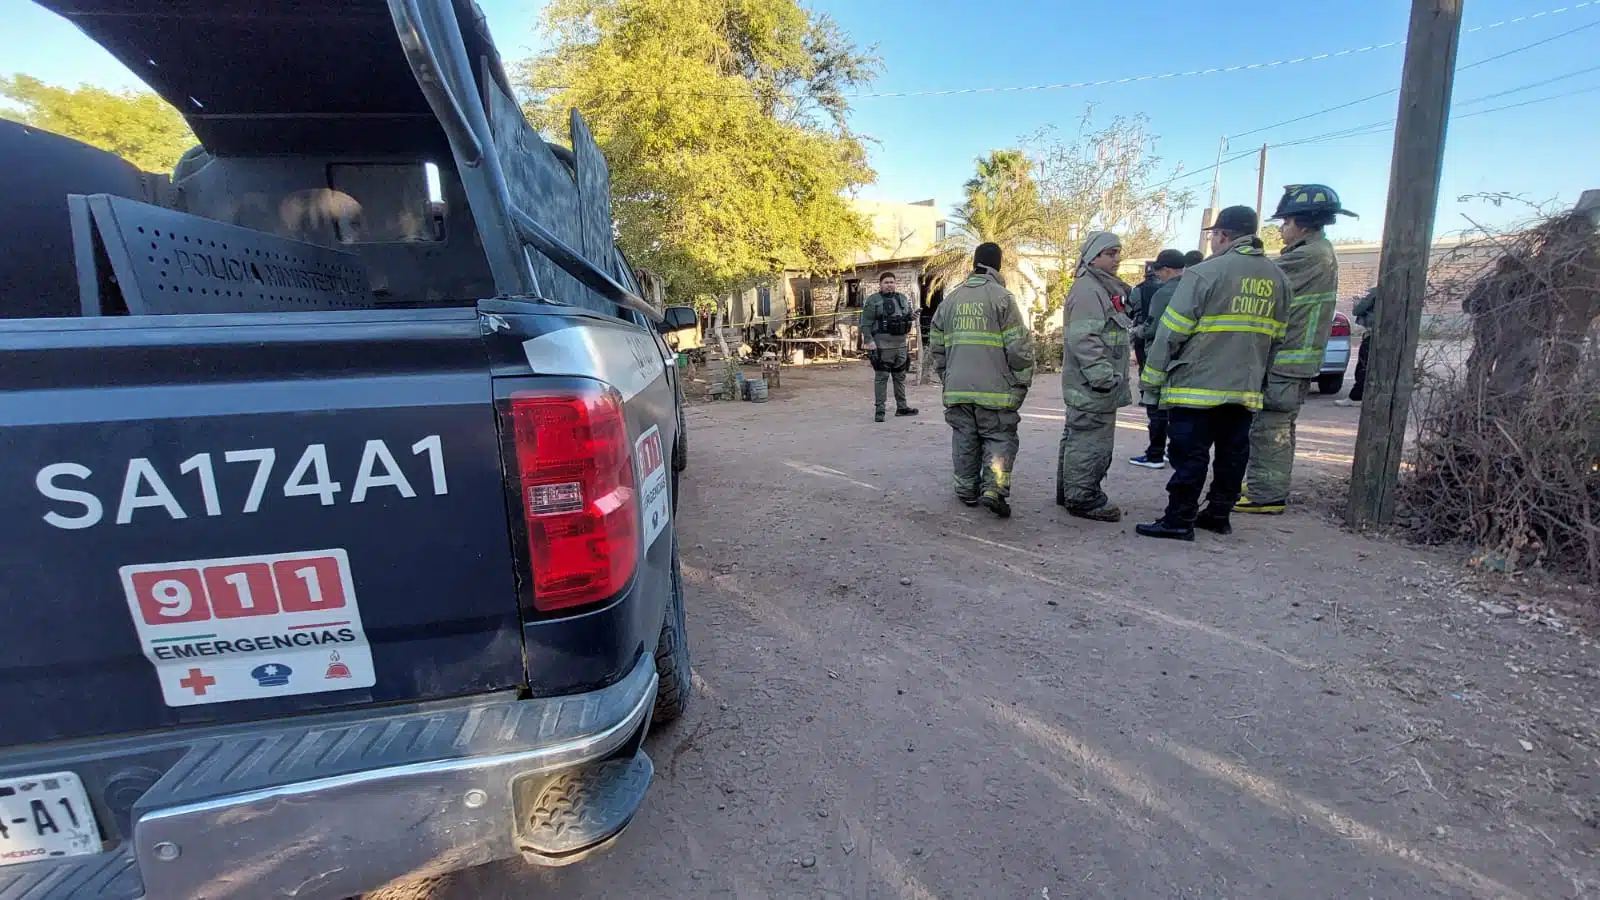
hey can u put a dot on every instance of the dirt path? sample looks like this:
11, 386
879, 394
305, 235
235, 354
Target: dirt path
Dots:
903, 698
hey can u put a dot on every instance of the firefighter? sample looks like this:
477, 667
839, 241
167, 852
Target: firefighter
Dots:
1208, 361
1169, 268
983, 354
1097, 328
1308, 261
886, 319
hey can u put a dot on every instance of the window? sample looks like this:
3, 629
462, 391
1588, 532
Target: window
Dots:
852, 293
764, 302
941, 231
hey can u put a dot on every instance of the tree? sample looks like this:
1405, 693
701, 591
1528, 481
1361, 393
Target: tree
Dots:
1001, 207
1271, 237
138, 126
1100, 180
725, 125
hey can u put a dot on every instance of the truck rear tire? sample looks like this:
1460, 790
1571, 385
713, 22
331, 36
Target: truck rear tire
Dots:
1330, 383
672, 653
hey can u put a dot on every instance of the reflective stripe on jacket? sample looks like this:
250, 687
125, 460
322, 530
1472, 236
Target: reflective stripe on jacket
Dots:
982, 351
1222, 329
1313, 273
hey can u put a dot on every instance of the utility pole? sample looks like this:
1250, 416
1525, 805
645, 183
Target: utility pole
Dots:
1210, 214
1419, 137
1261, 181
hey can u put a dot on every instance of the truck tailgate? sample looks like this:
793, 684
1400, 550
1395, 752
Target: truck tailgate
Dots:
217, 518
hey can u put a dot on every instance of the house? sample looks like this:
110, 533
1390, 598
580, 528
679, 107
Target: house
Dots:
798, 303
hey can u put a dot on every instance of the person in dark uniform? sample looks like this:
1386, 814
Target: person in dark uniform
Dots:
886, 319
1169, 266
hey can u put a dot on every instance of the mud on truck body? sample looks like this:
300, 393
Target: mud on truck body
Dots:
339, 473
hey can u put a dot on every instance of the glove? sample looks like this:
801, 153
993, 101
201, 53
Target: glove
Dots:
874, 359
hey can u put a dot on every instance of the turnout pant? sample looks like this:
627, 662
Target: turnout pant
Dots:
1193, 434
1087, 442
1272, 440
891, 365
983, 448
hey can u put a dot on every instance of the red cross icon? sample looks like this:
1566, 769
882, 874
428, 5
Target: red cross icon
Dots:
197, 681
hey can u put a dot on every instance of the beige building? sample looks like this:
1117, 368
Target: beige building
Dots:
800, 304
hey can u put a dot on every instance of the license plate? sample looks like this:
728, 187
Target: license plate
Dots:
44, 817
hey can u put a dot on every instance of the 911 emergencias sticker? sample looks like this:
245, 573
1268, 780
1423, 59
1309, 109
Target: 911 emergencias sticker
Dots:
250, 627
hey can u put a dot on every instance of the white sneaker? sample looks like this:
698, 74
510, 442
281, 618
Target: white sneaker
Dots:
1346, 402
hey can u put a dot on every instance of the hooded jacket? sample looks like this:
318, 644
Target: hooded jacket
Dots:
1220, 333
1096, 332
981, 350
1313, 273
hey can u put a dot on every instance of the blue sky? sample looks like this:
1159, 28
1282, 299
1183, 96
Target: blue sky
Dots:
924, 146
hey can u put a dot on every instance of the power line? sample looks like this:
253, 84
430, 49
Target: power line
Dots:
1132, 79
1380, 127
1536, 84
1380, 94
1211, 168
1484, 112
1374, 127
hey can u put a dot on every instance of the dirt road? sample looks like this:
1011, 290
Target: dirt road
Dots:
903, 698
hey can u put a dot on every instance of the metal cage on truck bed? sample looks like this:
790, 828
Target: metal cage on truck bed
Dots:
285, 97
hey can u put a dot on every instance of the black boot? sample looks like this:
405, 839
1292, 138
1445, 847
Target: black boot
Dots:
1211, 520
877, 416
1162, 529
993, 502
906, 411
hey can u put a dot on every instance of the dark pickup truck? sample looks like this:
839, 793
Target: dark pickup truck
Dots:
338, 473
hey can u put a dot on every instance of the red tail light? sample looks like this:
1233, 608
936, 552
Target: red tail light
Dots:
578, 497
1341, 326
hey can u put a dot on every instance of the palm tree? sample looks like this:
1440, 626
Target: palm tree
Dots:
1002, 207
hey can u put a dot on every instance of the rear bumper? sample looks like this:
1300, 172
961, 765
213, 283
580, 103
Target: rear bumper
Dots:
338, 836
337, 808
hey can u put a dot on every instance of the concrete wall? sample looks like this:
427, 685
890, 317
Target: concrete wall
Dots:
903, 230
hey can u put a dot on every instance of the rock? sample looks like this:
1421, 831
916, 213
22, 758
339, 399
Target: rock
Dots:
906, 582
808, 862
1526, 747
1051, 603
848, 847
822, 814
1497, 610
916, 851
900, 691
